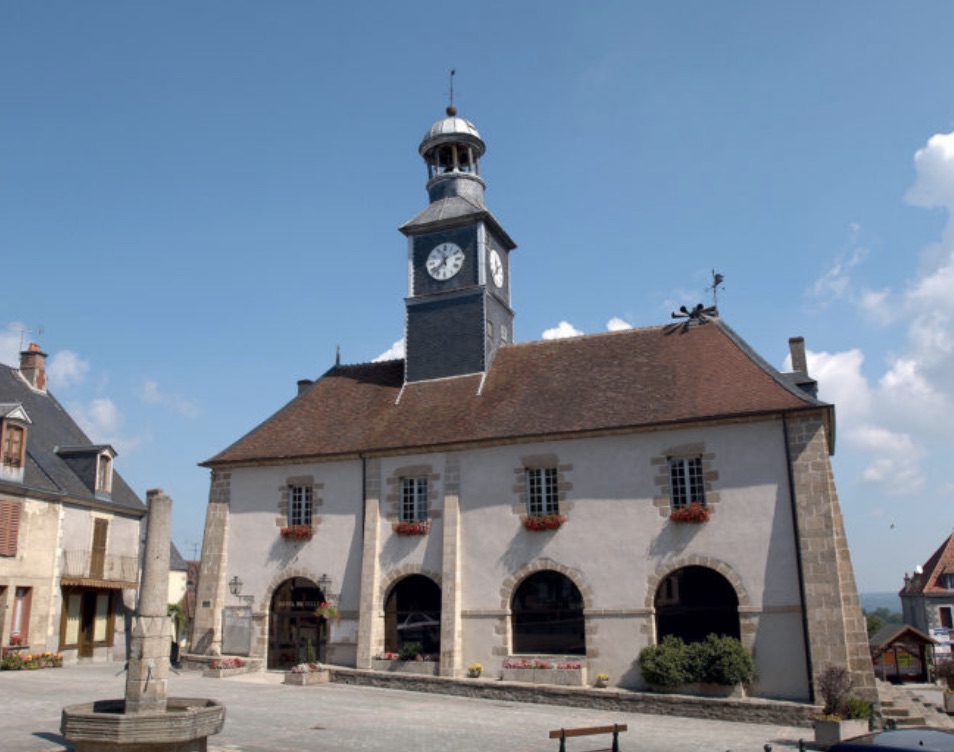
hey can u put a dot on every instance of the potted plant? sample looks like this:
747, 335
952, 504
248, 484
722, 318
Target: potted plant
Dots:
308, 672
544, 521
843, 716
474, 670
693, 513
327, 611
602, 680
945, 672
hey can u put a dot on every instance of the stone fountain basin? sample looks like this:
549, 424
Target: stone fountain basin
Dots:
185, 719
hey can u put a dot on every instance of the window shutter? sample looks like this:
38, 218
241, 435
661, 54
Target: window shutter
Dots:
9, 527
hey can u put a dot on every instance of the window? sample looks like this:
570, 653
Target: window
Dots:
97, 559
413, 499
547, 616
299, 506
9, 527
686, 485
542, 493
947, 580
20, 625
104, 473
944, 612
13, 446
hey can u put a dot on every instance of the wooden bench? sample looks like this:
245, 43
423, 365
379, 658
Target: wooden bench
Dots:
562, 735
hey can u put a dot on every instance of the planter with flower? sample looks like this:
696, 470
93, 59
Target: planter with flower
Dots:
693, 513
410, 660
328, 611
304, 674
602, 680
297, 532
562, 672
418, 527
17, 660
223, 667
843, 716
945, 672
474, 670
544, 521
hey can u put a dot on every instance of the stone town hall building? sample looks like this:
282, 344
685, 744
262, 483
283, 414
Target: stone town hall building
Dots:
417, 483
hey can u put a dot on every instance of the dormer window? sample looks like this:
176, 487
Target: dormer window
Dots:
13, 441
104, 474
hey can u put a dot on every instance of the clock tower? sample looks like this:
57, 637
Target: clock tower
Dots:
458, 302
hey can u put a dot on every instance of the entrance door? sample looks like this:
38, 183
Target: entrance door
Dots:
293, 624
87, 625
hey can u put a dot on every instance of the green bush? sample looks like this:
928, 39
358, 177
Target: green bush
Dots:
665, 664
855, 708
716, 660
723, 661
409, 651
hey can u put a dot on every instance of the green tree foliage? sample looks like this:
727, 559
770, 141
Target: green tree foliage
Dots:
716, 660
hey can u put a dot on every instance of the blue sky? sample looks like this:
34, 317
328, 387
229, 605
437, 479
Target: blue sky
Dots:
199, 203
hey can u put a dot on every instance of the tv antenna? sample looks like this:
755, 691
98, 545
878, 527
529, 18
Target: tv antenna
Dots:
24, 331
717, 280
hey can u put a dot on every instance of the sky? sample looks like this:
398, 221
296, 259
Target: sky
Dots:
199, 203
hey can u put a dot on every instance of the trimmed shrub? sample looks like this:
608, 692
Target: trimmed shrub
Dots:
665, 664
716, 660
853, 707
409, 651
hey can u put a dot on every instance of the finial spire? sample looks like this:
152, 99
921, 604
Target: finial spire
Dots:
451, 110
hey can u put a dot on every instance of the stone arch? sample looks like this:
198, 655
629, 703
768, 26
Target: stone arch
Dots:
413, 611
575, 576
292, 622
691, 597
396, 575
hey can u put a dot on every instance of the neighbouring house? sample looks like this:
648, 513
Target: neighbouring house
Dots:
902, 653
69, 526
574, 499
927, 598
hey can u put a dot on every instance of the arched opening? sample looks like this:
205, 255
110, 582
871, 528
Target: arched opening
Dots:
412, 613
293, 624
694, 602
547, 616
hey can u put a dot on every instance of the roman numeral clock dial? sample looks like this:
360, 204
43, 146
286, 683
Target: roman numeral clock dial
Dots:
444, 261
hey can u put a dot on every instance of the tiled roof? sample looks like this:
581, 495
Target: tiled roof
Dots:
51, 427
928, 581
624, 380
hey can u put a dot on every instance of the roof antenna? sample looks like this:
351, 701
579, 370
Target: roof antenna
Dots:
716, 284
24, 331
451, 110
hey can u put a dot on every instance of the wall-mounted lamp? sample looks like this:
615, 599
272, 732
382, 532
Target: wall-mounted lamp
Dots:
235, 586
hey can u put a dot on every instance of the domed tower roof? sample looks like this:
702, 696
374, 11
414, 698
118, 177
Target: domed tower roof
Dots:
452, 150
452, 129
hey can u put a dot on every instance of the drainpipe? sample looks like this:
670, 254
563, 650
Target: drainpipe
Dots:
798, 560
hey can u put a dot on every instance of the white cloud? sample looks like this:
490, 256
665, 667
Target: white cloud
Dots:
841, 382
150, 393
617, 324
836, 282
896, 464
562, 330
934, 165
10, 343
395, 352
66, 368
103, 421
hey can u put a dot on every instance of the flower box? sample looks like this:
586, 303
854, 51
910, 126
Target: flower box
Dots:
420, 668
702, 689
420, 527
830, 731
694, 513
321, 676
297, 532
544, 521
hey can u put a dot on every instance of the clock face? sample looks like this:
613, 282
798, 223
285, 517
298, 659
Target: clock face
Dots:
496, 268
444, 261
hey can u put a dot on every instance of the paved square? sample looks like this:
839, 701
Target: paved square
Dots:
264, 715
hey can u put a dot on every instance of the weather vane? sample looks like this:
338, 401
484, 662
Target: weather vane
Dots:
451, 103
716, 284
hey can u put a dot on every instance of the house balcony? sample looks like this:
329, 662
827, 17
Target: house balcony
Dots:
98, 569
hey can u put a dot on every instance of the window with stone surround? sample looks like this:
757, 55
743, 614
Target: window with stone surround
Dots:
542, 486
686, 483
299, 501
413, 499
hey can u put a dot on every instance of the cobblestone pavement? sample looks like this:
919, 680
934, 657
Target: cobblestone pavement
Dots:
265, 715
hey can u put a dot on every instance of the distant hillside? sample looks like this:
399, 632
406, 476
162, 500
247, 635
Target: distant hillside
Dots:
873, 601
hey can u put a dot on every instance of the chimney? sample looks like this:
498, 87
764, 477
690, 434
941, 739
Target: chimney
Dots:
796, 346
33, 367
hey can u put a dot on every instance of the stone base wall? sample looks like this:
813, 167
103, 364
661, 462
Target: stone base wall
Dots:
621, 700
